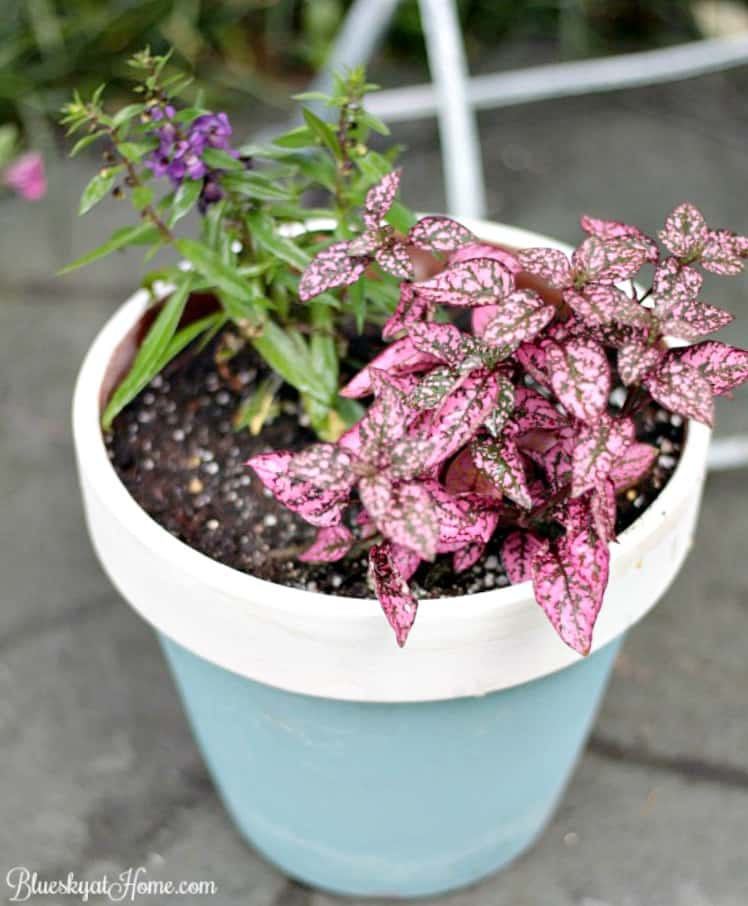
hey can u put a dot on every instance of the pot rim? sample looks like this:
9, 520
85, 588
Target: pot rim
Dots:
92, 453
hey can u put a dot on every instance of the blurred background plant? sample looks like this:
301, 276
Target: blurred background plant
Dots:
251, 50
22, 173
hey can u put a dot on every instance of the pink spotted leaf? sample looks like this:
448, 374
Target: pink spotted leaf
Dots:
614, 229
476, 282
468, 556
481, 317
462, 413
397, 600
406, 561
322, 507
458, 525
517, 554
685, 232
569, 581
635, 360
411, 307
550, 265
532, 410
444, 342
384, 424
439, 234
607, 261
404, 514
434, 387
599, 446
409, 455
504, 407
600, 304
330, 268
603, 510
366, 244
325, 465
484, 250
394, 259
501, 462
534, 359
520, 317
555, 460
463, 478
693, 320
580, 377
721, 253
380, 197
331, 544
400, 357
636, 462
675, 283
682, 389
724, 367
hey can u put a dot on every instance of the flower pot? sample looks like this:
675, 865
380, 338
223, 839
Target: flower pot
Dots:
353, 765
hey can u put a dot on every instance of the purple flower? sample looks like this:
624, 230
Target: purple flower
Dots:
179, 155
210, 194
159, 113
214, 129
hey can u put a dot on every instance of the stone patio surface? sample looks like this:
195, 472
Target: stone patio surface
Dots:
99, 771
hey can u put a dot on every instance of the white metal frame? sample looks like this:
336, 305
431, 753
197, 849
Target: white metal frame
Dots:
453, 97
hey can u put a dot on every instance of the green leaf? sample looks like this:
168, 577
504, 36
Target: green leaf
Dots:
99, 186
182, 338
134, 152
263, 230
184, 200
221, 160
237, 309
311, 96
400, 217
141, 196
8, 142
373, 166
142, 233
383, 294
176, 84
211, 265
126, 114
357, 302
189, 114
150, 357
260, 408
373, 122
324, 132
213, 223
300, 137
323, 348
288, 355
351, 411
254, 186
85, 142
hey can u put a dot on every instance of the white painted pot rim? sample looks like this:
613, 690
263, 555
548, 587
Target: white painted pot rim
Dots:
341, 647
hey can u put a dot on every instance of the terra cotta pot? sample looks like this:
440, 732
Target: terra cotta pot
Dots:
353, 765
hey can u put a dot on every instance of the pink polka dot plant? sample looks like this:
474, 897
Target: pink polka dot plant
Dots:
509, 424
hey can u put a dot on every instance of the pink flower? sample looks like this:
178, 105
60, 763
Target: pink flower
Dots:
26, 176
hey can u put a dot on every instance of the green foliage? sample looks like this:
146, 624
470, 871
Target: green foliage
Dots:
257, 235
156, 350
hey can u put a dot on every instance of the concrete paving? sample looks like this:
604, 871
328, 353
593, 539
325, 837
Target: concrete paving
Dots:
99, 769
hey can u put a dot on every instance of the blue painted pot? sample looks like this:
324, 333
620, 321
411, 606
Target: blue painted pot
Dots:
390, 799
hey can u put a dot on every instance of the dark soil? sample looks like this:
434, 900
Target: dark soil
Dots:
177, 453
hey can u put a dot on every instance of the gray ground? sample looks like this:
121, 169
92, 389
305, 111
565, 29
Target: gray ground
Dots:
99, 770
